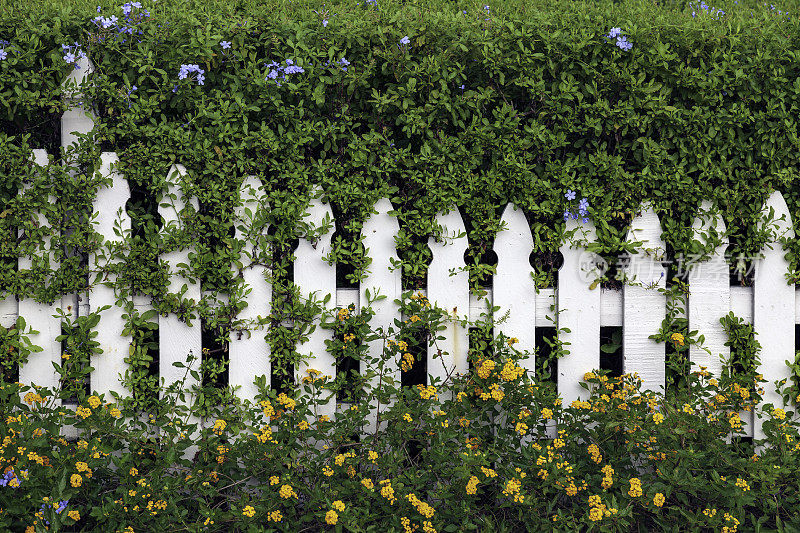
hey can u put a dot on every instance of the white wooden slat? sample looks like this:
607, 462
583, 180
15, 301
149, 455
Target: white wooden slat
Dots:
578, 311
710, 296
39, 368
480, 306
610, 307
109, 207
742, 303
249, 352
347, 297
774, 306
176, 338
546, 314
449, 292
315, 277
513, 288
644, 306
379, 233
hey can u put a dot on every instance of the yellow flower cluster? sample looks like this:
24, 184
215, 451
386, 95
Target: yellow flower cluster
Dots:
742, 484
512, 489
219, 426
343, 314
488, 472
521, 428
275, 516
74, 514
368, 484
274, 480
407, 418
248, 511
485, 368
658, 418
426, 393
422, 508
598, 510
269, 410
780, 414
287, 492
678, 339
338, 505
265, 435
547, 414
302, 425
711, 513
608, 474
511, 372
286, 402
94, 401
331, 517
116, 413
729, 518
636, 487
594, 451
658, 499
472, 485
581, 404
32, 398
83, 412
406, 523
327, 470
76, 480
407, 363
387, 491
734, 420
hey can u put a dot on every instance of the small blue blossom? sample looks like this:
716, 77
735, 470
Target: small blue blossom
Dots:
225, 45
61, 506
405, 40
3, 54
324, 23
187, 69
614, 32
583, 204
569, 195
566, 215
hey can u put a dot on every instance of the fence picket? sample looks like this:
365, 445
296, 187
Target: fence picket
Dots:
774, 306
379, 233
450, 291
109, 207
177, 338
316, 277
248, 350
513, 288
644, 306
710, 297
579, 312
39, 368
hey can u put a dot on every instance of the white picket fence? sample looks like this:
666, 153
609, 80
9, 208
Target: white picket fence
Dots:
770, 305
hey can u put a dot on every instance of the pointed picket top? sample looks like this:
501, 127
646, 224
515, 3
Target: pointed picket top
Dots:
382, 278
249, 352
774, 305
314, 276
710, 293
644, 306
513, 287
109, 207
78, 118
578, 310
176, 338
450, 291
39, 367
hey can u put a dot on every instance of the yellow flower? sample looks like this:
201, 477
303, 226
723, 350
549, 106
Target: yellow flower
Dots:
248, 511
368, 484
472, 485
636, 488
275, 516
287, 492
81, 466
94, 401
219, 426
407, 418
522, 428
303, 425
658, 418
779, 414
678, 339
326, 470
331, 517
133, 472
547, 414
274, 480
338, 505
76, 480
595, 514
83, 412
116, 413
658, 499
74, 514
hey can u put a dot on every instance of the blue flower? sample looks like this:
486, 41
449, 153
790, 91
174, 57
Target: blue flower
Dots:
324, 23
225, 45
405, 40
566, 215
61, 506
583, 204
623, 43
570, 195
614, 32
3, 54
186, 69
